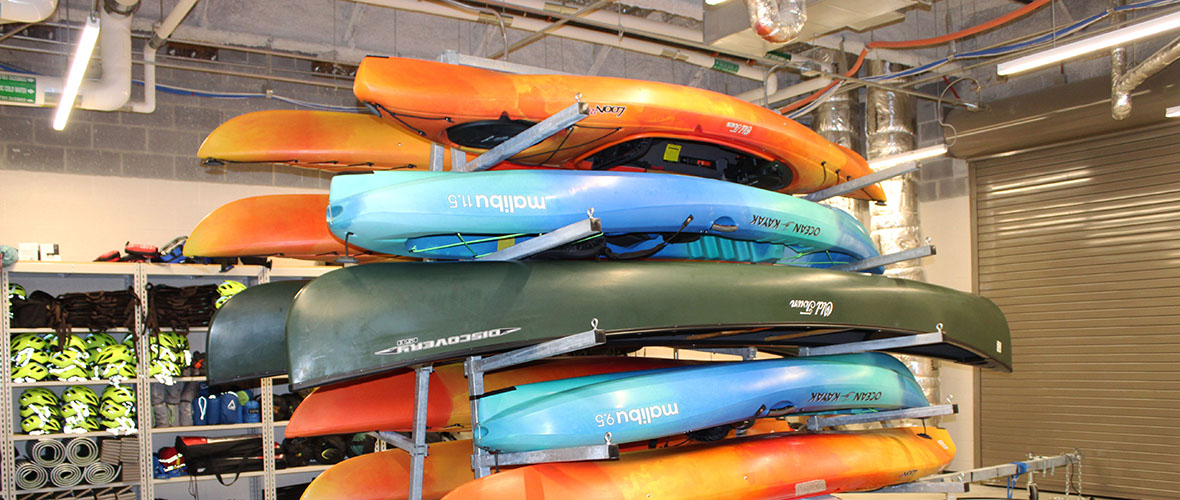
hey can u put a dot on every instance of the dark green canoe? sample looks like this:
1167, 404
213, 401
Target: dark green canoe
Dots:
247, 338
381, 317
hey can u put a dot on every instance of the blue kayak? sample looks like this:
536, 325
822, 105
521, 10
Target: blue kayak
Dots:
444, 215
644, 405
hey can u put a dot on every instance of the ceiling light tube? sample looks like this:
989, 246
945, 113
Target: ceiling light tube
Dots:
77, 71
1172, 112
908, 156
1091, 44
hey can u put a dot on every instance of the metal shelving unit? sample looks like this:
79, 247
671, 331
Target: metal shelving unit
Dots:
136, 276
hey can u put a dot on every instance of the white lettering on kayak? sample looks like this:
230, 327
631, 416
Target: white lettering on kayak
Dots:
506, 203
413, 344
639, 416
813, 307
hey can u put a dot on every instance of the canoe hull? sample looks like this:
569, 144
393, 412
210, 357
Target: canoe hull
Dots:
418, 313
763, 467
247, 340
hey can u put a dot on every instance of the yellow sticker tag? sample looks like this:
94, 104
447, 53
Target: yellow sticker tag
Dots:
672, 153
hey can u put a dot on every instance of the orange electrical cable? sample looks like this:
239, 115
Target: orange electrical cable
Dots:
918, 43
961, 33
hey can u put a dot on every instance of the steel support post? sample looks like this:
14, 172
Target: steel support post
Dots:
8, 470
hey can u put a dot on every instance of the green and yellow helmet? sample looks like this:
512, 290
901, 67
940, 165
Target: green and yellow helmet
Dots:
16, 290
72, 342
28, 341
30, 355
119, 393
117, 353
83, 424
111, 410
77, 409
68, 357
43, 410
36, 424
96, 341
30, 372
80, 393
72, 373
115, 370
38, 396
164, 367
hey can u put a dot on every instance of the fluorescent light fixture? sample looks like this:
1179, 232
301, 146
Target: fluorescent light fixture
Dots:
908, 156
1172, 112
1094, 43
77, 71
714, 2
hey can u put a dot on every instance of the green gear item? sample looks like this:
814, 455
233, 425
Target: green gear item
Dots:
43, 410
36, 424
28, 341
118, 423
15, 289
30, 355
97, 341
30, 372
72, 342
119, 394
68, 357
111, 410
77, 408
38, 396
163, 367
72, 373
81, 394
129, 341
221, 301
229, 288
118, 353
85, 424
115, 370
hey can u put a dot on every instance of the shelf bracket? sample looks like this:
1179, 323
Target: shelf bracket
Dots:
862, 182
582, 229
530, 137
885, 260
875, 345
814, 424
573, 454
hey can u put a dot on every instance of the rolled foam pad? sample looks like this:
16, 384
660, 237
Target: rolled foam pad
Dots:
100, 473
66, 475
47, 453
30, 476
82, 451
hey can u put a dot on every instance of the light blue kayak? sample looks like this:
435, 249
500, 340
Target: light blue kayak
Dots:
644, 405
444, 215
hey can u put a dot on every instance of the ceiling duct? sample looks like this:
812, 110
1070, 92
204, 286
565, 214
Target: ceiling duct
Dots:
727, 24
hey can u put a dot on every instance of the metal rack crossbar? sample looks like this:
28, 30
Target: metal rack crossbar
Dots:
885, 260
876, 345
816, 423
481, 460
957, 482
862, 182
582, 229
528, 138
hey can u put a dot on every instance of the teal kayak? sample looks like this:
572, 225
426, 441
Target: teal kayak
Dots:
445, 215
638, 406
383, 317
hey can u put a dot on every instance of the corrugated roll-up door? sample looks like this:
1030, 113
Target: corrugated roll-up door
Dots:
1079, 244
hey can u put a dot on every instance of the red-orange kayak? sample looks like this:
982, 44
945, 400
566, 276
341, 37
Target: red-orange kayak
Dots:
476, 108
762, 467
386, 403
283, 225
385, 475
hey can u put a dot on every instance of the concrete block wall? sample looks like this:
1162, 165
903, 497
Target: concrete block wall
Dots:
939, 178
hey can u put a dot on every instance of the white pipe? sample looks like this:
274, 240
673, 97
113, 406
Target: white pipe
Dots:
159, 38
26, 11
755, 96
113, 90
575, 33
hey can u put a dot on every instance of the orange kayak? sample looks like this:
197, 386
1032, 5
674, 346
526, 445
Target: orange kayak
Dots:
751, 468
386, 402
385, 475
325, 140
284, 225
475, 109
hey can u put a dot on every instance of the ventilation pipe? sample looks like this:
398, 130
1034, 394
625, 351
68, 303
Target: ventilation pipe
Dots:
777, 21
113, 90
895, 226
26, 11
833, 121
1123, 84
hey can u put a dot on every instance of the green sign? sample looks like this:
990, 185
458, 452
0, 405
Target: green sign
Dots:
726, 66
16, 88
